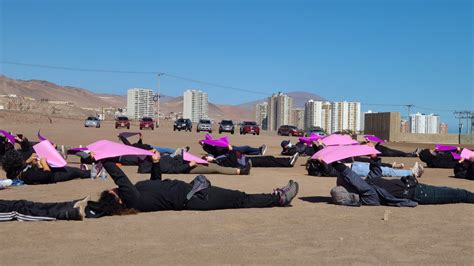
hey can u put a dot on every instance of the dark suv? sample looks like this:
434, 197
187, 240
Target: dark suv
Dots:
249, 127
183, 124
226, 126
122, 121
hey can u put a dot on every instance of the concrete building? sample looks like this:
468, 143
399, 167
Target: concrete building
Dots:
298, 117
443, 128
140, 103
424, 124
313, 114
326, 116
279, 111
261, 115
195, 105
345, 116
404, 126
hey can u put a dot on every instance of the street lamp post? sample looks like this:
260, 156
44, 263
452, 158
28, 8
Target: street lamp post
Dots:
157, 97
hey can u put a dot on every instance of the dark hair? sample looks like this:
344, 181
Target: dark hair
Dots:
13, 163
108, 204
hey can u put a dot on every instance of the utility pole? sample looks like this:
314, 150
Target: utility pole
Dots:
462, 115
157, 97
409, 106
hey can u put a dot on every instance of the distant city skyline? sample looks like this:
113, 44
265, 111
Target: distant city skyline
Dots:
382, 54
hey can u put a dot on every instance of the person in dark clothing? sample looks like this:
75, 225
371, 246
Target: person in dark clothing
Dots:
465, 169
302, 149
236, 159
158, 195
217, 151
37, 171
141, 145
388, 152
436, 159
352, 190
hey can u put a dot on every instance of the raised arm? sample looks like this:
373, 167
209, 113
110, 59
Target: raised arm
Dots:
126, 190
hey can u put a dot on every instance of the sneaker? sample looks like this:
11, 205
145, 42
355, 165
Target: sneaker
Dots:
84, 167
287, 193
246, 169
4, 183
17, 182
396, 165
178, 151
417, 170
263, 149
417, 151
80, 205
293, 159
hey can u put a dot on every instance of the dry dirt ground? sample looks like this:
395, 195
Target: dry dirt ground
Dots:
312, 231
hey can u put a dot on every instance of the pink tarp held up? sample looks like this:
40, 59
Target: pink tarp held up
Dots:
221, 142
129, 134
467, 154
335, 153
108, 149
45, 149
336, 139
456, 156
189, 157
374, 139
9, 136
442, 147
310, 139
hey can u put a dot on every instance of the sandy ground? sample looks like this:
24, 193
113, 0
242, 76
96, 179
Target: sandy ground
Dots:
312, 231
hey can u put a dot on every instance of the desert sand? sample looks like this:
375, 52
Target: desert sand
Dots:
312, 231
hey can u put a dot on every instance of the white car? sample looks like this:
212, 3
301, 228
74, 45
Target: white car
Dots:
92, 122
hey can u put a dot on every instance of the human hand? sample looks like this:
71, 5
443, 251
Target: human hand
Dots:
192, 163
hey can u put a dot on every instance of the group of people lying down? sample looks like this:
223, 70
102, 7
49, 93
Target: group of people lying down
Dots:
360, 180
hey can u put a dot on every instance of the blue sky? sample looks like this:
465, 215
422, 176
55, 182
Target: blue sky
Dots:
376, 52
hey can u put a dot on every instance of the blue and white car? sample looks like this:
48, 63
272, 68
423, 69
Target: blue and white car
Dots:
92, 121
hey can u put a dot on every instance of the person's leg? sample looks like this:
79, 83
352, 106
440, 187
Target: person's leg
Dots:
164, 150
388, 152
427, 194
270, 161
213, 169
69, 173
247, 150
215, 198
34, 211
363, 169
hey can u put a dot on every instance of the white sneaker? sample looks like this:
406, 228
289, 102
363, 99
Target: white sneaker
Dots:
417, 170
4, 183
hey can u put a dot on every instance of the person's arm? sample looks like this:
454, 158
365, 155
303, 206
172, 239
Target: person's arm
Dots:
44, 165
140, 140
128, 193
156, 168
124, 140
375, 168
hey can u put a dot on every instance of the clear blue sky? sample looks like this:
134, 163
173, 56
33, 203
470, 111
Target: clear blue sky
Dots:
386, 52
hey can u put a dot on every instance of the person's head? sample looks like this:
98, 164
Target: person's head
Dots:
341, 196
285, 144
109, 204
13, 163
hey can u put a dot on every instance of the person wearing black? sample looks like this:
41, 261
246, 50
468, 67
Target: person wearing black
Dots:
302, 149
435, 159
465, 169
216, 151
158, 195
36, 171
236, 159
352, 190
388, 152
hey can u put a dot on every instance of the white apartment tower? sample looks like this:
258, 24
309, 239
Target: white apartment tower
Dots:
313, 114
297, 117
424, 124
140, 103
345, 116
195, 105
261, 114
279, 111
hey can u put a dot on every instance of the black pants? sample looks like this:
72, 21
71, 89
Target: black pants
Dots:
427, 194
69, 173
35, 211
440, 160
270, 161
215, 198
388, 152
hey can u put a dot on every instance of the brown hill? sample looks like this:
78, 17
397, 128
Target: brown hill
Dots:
39, 89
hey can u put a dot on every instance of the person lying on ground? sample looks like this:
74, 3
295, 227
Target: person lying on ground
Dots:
465, 169
437, 159
302, 149
217, 151
353, 190
141, 145
236, 159
389, 152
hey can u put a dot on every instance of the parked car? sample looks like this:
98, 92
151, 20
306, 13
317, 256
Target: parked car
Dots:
147, 122
183, 124
122, 121
92, 121
204, 125
288, 130
226, 126
249, 127
316, 130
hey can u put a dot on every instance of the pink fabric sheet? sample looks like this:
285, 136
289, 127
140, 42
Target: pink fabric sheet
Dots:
374, 139
9, 136
221, 142
45, 149
467, 154
335, 153
189, 157
310, 139
336, 139
442, 147
108, 149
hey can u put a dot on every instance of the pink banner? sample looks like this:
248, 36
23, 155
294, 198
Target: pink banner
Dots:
337, 139
44, 149
310, 139
221, 142
108, 149
129, 134
467, 154
9, 136
207, 136
189, 157
456, 156
442, 147
374, 139
335, 153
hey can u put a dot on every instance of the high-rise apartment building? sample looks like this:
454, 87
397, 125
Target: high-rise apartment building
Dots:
313, 114
195, 105
424, 124
443, 128
345, 116
297, 117
140, 103
326, 116
261, 114
279, 111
